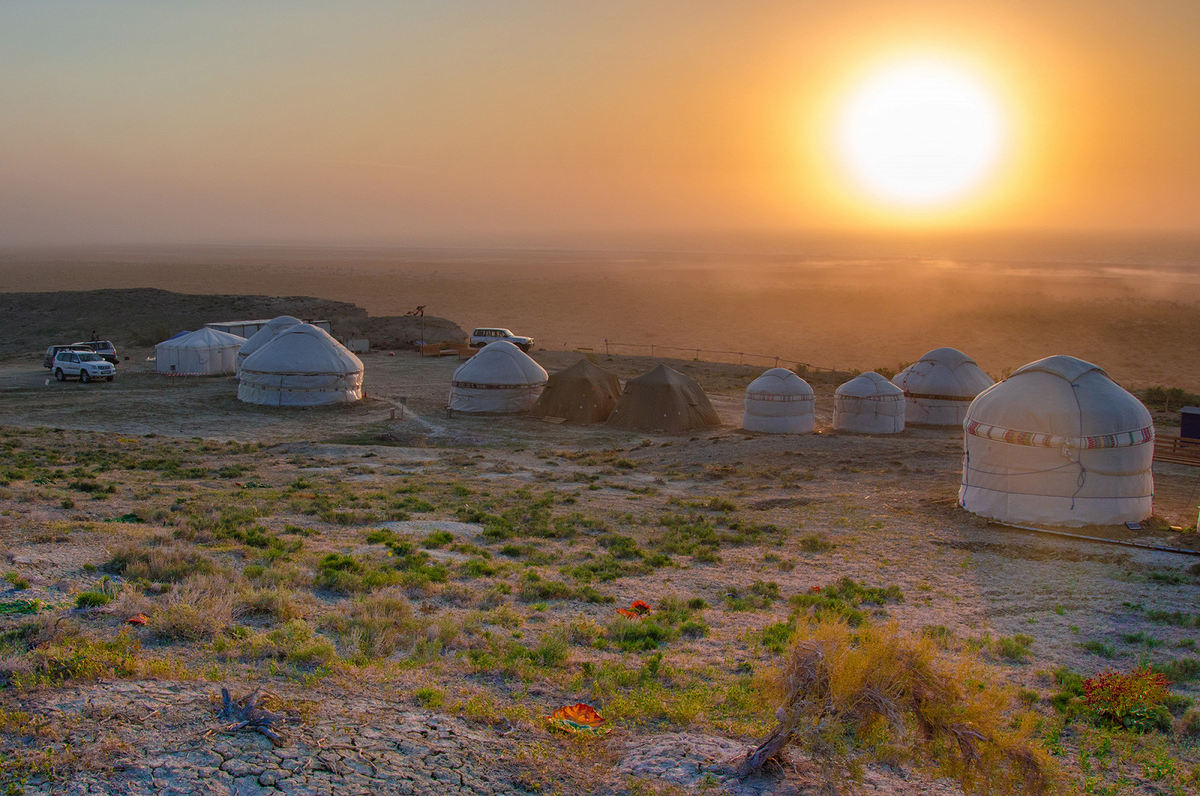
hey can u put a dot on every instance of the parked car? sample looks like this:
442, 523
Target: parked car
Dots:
104, 348
482, 336
52, 351
83, 365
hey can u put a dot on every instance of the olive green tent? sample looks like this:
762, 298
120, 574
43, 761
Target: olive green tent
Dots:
663, 400
582, 393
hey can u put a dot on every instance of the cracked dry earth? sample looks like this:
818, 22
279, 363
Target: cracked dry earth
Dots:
167, 738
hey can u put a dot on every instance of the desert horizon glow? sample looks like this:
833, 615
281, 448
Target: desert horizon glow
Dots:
920, 133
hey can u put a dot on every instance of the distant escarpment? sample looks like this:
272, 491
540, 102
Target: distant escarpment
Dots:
143, 316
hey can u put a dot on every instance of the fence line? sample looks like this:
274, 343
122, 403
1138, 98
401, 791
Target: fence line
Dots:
655, 348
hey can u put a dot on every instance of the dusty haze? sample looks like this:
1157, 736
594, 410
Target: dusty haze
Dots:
1138, 320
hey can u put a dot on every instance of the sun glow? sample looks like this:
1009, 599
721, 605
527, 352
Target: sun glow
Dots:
921, 134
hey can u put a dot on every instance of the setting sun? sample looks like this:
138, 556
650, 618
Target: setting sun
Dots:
920, 133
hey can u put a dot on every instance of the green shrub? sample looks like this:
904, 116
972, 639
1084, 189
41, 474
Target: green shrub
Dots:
814, 543
844, 598
534, 589
1131, 700
168, 564
438, 539
1097, 647
1180, 670
1015, 648
91, 599
430, 697
639, 635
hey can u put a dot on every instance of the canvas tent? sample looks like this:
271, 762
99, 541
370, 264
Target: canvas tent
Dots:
265, 335
203, 352
869, 404
1058, 443
939, 387
301, 366
663, 400
582, 393
778, 402
500, 379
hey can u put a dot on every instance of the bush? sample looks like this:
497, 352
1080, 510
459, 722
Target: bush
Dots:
639, 635
877, 692
1015, 648
80, 658
169, 564
199, 608
1131, 700
844, 599
92, 599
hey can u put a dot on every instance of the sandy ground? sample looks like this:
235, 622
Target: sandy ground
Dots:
888, 504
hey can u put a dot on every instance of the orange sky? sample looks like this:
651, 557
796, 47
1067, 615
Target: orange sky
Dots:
399, 122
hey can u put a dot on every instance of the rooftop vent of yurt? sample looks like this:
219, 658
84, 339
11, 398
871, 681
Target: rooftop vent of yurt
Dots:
663, 400
302, 366
1058, 443
265, 334
500, 379
582, 393
939, 387
205, 352
869, 404
778, 402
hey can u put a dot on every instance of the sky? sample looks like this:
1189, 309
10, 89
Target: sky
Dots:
440, 122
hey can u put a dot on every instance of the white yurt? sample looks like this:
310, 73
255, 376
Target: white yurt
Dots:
939, 387
302, 366
779, 402
1058, 443
500, 379
265, 335
869, 404
203, 352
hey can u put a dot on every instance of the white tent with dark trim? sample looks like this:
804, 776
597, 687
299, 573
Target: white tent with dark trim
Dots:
869, 404
778, 402
939, 387
265, 335
1058, 443
500, 379
204, 352
302, 366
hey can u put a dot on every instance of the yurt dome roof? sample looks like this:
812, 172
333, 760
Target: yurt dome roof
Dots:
203, 338
267, 333
500, 363
779, 382
303, 348
1064, 397
869, 385
943, 372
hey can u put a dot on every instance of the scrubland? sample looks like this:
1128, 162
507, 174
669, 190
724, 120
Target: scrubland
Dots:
413, 600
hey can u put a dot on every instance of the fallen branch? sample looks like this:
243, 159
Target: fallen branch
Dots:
246, 714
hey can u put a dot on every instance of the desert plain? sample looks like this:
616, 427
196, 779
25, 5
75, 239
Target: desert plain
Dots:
410, 592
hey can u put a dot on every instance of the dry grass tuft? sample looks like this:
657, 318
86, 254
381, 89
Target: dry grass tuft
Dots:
199, 608
875, 693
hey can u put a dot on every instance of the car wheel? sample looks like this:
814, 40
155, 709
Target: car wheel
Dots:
524, 348
59, 375
84, 376
110, 378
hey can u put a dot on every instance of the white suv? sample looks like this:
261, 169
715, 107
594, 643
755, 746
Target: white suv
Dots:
84, 365
481, 337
